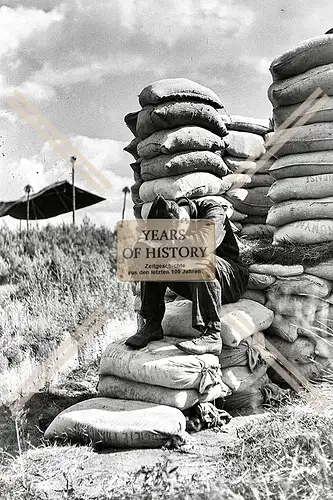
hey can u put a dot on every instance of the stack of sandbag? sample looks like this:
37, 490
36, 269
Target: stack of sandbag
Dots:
242, 357
302, 302
245, 153
161, 374
303, 143
179, 145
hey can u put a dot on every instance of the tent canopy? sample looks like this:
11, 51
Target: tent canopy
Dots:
55, 199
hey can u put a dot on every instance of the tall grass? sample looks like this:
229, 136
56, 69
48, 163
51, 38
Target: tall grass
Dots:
57, 277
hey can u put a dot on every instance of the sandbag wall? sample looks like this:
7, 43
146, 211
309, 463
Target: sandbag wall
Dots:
302, 98
245, 152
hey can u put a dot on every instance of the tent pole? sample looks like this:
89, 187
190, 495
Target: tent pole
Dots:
73, 160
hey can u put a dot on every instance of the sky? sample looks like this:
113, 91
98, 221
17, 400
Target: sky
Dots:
83, 63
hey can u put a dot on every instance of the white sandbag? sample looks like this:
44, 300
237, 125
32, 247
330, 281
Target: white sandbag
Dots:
239, 378
306, 284
161, 363
298, 88
320, 111
308, 54
190, 185
256, 295
302, 165
304, 139
302, 188
180, 139
227, 205
251, 201
322, 270
261, 180
305, 232
294, 210
114, 387
298, 306
277, 269
239, 320
260, 281
177, 89
115, 423
286, 327
245, 145
179, 114
257, 231
183, 163
240, 165
260, 126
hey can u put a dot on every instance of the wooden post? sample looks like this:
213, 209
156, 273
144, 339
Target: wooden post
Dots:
73, 160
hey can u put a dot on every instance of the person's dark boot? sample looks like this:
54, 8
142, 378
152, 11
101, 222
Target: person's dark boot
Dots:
149, 331
209, 342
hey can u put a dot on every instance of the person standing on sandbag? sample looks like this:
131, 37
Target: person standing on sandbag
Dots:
228, 286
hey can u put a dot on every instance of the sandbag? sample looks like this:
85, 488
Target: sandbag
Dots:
161, 363
178, 140
254, 231
240, 378
285, 327
190, 185
260, 180
237, 216
175, 114
308, 54
132, 148
302, 165
295, 210
298, 88
252, 398
177, 89
114, 387
299, 306
322, 270
277, 269
183, 163
131, 121
135, 192
245, 145
136, 167
247, 353
239, 320
218, 199
260, 126
256, 295
240, 165
304, 139
115, 423
256, 219
260, 281
305, 232
302, 188
320, 111
306, 284
253, 201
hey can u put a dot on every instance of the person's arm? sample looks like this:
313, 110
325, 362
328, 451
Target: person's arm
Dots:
215, 214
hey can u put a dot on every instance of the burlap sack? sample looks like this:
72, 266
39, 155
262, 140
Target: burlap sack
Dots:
239, 378
192, 185
131, 121
177, 89
306, 284
244, 144
308, 54
320, 111
256, 295
260, 281
305, 232
304, 139
132, 148
178, 114
297, 306
302, 188
247, 124
302, 165
252, 201
257, 231
298, 88
261, 180
183, 163
277, 269
295, 210
322, 270
115, 423
166, 142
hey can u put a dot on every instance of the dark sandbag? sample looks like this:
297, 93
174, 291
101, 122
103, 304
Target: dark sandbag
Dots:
253, 201
256, 295
247, 124
256, 219
251, 398
298, 88
136, 167
240, 378
183, 163
247, 353
310, 53
135, 192
117, 423
178, 89
131, 121
132, 148
302, 165
255, 231
175, 114
261, 180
